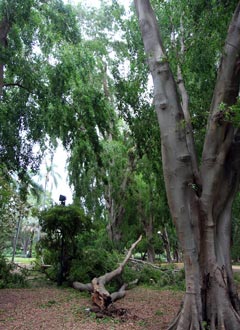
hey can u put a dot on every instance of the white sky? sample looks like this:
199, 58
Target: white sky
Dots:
95, 3
63, 188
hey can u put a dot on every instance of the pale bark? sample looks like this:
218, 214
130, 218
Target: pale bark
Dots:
166, 244
202, 216
100, 295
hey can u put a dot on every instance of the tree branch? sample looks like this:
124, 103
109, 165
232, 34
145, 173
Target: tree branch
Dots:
17, 84
100, 295
185, 107
83, 287
220, 135
227, 86
109, 276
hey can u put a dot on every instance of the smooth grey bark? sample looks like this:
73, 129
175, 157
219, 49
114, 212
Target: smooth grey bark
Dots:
202, 216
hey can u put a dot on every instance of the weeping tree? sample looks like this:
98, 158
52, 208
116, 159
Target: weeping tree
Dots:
30, 34
200, 197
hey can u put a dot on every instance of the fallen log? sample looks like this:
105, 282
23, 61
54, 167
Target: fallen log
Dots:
100, 295
150, 264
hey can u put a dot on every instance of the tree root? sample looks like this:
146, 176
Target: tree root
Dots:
222, 316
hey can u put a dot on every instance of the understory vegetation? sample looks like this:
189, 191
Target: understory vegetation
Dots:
9, 277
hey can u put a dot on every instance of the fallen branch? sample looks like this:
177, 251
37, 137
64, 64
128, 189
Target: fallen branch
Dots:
160, 268
137, 261
100, 295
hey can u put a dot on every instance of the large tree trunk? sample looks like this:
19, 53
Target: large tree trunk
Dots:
200, 201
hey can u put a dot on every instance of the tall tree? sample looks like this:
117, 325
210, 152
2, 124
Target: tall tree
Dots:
200, 198
30, 32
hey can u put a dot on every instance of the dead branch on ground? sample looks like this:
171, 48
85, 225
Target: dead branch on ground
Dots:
100, 295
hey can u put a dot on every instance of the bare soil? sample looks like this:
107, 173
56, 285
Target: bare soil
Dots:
51, 308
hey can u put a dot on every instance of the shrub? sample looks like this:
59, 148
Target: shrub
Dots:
161, 278
62, 226
8, 279
93, 263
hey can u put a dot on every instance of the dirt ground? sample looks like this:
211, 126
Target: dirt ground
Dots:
51, 308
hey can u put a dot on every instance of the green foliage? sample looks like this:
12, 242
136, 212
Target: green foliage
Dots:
65, 220
24, 56
162, 278
235, 249
61, 80
62, 225
13, 206
95, 262
8, 278
236, 276
229, 114
92, 263
52, 85
7, 219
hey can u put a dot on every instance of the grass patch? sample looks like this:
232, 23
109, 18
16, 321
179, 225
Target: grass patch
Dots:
48, 304
236, 277
26, 261
159, 313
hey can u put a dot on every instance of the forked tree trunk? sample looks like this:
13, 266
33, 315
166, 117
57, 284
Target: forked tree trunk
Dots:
200, 200
100, 295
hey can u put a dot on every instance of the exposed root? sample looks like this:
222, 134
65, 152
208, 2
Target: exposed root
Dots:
222, 316
190, 316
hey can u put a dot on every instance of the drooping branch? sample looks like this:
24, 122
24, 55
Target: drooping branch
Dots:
100, 295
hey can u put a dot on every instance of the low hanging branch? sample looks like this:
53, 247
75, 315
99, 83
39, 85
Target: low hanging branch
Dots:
100, 296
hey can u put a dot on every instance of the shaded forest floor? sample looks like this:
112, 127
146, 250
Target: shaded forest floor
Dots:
52, 308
